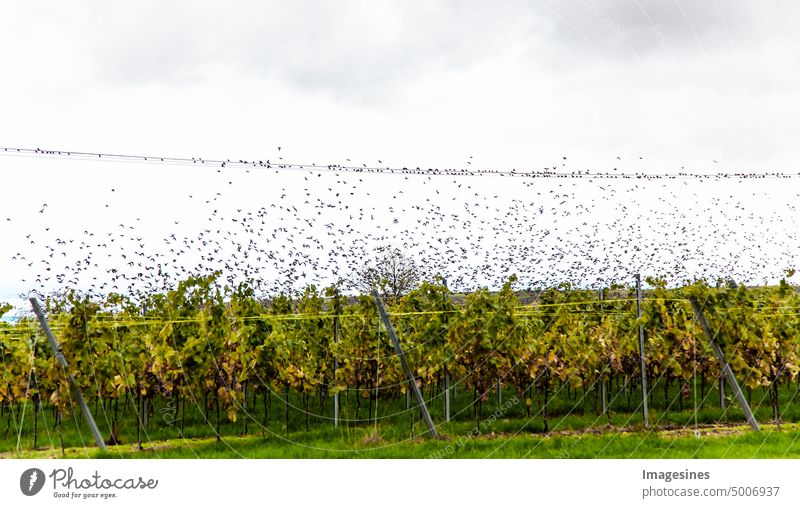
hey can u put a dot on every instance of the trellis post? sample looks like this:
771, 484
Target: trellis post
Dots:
446, 381
336, 312
423, 409
87, 415
726, 369
603, 396
642, 365
446, 395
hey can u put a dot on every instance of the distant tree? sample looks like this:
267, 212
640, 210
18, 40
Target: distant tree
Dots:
393, 274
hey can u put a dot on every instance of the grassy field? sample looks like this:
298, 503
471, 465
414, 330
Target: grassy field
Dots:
712, 442
574, 430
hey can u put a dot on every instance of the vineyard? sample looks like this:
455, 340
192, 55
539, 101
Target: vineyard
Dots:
209, 360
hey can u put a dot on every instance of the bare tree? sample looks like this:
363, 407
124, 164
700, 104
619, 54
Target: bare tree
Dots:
393, 274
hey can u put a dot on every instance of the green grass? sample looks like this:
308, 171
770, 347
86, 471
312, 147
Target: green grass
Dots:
575, 430
737, 442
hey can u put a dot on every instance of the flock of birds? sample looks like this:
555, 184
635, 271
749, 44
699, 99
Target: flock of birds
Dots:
286, 226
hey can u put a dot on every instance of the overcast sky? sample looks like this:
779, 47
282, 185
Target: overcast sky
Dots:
413, 83
511, 83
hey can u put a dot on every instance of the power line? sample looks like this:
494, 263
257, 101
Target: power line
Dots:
278, 166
